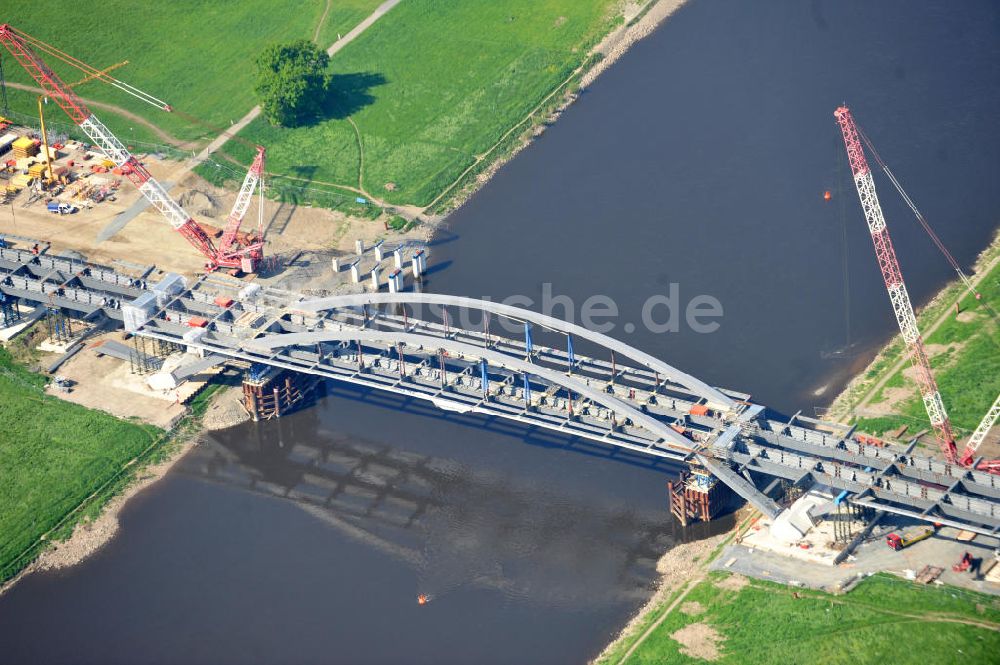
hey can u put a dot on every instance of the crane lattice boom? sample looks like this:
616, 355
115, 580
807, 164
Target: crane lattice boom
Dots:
980, 434
25, 49
230, 254
895, 285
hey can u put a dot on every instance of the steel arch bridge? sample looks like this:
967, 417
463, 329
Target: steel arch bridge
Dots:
628, 400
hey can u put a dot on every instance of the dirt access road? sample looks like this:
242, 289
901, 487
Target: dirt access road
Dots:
223, 138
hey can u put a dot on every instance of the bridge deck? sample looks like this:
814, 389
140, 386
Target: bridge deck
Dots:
626, 400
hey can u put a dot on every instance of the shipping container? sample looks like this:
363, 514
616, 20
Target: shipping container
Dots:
698, 410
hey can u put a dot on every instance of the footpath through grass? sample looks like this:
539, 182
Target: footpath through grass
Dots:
430, 86
965, 358
882, 619
196, 56
53, 454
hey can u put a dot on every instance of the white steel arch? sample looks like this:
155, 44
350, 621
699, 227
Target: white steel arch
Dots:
716, 399
668, 437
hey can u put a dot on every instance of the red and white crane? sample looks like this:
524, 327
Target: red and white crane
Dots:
969, 454
25, 50
895, 285
246, 255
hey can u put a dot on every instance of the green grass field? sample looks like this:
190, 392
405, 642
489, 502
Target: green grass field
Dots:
967, 373
196, 56
884, 619
53, 454
430, 86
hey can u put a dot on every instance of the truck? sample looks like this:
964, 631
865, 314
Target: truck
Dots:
57, 208
898, 542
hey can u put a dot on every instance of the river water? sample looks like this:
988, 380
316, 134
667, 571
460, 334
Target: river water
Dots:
699, 160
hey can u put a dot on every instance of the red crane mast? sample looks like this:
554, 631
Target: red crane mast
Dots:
231, 253
25, 49
895, 285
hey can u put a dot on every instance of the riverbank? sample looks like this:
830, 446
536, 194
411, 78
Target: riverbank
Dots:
639, 20
679, 570
90, 535
684, 569
705, 611
63, 497
964, 348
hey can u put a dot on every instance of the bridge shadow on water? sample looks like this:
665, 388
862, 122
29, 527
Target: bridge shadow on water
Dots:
528, 434
497, 523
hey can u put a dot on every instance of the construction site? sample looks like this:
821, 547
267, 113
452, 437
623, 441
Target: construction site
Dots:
134, 307
69, 199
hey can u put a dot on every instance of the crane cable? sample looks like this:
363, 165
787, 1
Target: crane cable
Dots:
845, 259
920, 218
92, 73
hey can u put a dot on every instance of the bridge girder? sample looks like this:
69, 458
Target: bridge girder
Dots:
668, 437
716, 398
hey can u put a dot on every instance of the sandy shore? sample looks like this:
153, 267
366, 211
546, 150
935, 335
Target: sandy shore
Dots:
619, 41
677, 567
226, 410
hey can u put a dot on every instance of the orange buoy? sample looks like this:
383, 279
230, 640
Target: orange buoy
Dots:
422, 599
827, 195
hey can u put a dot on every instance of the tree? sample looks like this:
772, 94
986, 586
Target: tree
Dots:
291, 82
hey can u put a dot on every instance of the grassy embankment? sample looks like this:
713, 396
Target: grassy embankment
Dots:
196, 56
882, 618
965, 356
432, 87
61, 462
427, 98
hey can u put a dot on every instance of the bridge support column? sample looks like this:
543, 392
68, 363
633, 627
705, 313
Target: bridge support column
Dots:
10, 313
696, 496
273, 393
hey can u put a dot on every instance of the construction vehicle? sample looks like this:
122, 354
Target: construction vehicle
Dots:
899, 542
58, 208
245, 256
896, 287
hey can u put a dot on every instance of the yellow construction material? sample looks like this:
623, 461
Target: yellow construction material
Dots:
24, 147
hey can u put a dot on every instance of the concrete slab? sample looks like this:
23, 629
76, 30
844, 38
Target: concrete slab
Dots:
28, 317
106, 383
788, 567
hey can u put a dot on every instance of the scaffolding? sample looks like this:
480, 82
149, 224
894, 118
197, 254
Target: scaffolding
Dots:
697, 495
10, 313
59, 326
847, 516
269, 393
146, 355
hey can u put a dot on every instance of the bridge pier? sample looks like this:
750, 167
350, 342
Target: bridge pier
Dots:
696, 496
273, 393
